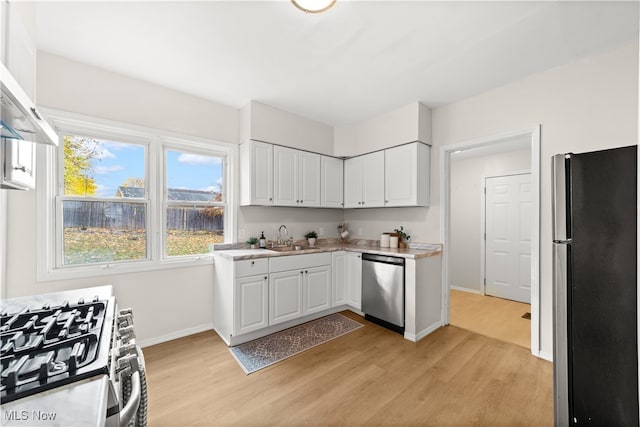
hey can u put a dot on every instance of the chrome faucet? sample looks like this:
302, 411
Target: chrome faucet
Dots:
286, 232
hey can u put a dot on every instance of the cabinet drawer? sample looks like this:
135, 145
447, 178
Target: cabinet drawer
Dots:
251, 267
294, 262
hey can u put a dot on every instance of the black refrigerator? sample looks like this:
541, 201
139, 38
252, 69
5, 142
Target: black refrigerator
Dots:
595, 288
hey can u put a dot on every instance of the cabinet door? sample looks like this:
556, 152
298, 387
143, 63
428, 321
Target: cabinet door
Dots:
251, 309
256, 174
309, 179
285, 296
317, 289
373, 179
339, 270
20, 164
332, 184
352, 183
401, 175
354, 279
285, 177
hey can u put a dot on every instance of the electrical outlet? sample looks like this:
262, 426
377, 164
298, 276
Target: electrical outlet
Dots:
321, 231
241, 233
359, 231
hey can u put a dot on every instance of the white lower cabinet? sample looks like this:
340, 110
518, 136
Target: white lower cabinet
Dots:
347, 279
252, 304
285, 296
316, 289
353, 279
339, 269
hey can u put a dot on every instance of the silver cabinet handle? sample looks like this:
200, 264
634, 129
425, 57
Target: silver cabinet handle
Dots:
270, 199
253, 262
20, 168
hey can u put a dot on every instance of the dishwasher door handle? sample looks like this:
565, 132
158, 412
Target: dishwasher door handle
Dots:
383, 259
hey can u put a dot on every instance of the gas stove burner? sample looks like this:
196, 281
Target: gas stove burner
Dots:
48, 346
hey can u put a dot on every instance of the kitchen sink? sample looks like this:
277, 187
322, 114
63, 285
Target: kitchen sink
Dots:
287, 248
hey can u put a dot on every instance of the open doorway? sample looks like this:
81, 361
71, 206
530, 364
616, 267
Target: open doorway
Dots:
466, 168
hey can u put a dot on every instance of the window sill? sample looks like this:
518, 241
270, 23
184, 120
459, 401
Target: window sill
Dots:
106, 270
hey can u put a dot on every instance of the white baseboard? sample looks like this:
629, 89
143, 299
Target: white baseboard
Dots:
471, 291
423, 333
175, 335
544, 355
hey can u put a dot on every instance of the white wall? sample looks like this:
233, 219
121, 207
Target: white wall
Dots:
466, 211
299, 221
269, 124
409, 123
587, 105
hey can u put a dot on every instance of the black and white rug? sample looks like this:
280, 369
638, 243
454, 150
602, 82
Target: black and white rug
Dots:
262, 352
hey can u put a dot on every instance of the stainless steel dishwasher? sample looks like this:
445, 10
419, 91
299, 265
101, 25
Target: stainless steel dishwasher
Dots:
383, 290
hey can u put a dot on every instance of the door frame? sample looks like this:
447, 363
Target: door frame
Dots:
483, 223
445, 213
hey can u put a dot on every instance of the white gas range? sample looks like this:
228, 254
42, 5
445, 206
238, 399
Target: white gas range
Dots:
70, 359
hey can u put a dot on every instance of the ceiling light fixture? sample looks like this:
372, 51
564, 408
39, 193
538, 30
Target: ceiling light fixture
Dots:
313, 6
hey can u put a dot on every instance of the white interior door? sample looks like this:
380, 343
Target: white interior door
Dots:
508, 205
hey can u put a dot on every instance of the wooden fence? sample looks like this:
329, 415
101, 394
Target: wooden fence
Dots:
131, 216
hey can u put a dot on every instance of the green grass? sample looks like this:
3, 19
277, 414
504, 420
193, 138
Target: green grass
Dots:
94, 245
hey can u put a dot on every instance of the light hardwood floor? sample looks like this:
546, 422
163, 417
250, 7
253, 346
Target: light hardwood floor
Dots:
368, 377
490, 316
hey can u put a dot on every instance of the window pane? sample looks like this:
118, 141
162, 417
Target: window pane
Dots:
102, 168
193, 177
96, 232
190, 230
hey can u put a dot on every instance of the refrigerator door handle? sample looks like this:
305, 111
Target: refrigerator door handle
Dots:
560, 202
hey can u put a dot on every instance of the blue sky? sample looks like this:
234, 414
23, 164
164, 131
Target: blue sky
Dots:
116, 162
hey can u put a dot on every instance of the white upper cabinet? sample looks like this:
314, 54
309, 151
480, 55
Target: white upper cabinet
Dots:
256, 174
19, 158
332, 186
309, 178
364, 181
373, 171
272, 175
352, 183
296, 177
406, 181
285, 176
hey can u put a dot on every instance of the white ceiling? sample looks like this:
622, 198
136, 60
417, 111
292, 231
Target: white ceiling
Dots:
351, 63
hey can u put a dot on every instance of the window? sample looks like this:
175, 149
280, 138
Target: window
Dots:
116, 198
98, 225
194, 202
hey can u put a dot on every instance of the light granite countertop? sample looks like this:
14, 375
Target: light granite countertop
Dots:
239, 252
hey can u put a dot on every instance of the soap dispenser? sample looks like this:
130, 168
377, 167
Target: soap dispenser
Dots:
263, 241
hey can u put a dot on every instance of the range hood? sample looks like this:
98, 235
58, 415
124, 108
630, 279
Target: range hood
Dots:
19, 118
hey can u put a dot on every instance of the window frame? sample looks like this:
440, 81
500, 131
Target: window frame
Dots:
50, 195
170, 144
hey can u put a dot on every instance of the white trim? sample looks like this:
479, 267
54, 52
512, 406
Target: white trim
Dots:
423, 333
445, 209
175, 335
483, 223
467, 290
544, 355
49, 186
